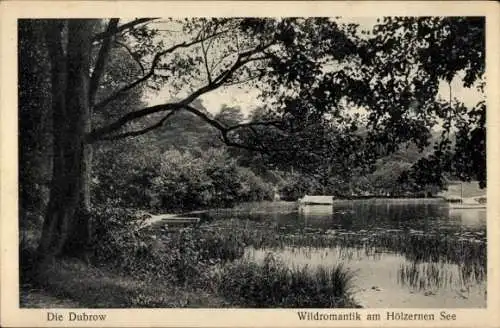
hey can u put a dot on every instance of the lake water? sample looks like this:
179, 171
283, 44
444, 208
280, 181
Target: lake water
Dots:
406, 253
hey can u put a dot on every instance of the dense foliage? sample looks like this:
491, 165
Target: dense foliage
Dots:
177, 180
413, 55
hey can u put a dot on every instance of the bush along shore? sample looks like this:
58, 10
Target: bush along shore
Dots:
132, 266
272, 284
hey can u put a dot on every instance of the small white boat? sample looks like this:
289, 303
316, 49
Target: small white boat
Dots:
471, 203
467, 203
316, 200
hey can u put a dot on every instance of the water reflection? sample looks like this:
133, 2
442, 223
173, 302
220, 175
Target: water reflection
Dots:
469, 217
391, 280
365, 214
316, 210
408, 253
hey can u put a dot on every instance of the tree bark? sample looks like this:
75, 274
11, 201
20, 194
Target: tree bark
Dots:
66, 229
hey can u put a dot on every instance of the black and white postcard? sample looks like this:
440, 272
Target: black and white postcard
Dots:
249, 164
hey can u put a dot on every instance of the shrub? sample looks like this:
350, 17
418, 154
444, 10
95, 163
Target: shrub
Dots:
182, 256
273, 284
118, 237
176, 180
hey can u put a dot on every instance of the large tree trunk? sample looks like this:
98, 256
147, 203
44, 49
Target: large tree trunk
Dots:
66, 228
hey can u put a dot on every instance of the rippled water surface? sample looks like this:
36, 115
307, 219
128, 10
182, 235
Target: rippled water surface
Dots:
406, 253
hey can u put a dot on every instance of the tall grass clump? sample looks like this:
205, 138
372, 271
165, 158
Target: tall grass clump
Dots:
273, 284
181, 256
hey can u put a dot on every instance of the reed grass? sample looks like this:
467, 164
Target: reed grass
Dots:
273, 284
427, 252
424, 276
466, 249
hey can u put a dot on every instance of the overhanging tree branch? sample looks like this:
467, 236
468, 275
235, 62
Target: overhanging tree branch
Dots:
147, 76
131, 53
122, 28
242, 59
99, 133
205, 61
204, 51
213, 122
139, 132
102, 57
275, 123
225, 130
248, 79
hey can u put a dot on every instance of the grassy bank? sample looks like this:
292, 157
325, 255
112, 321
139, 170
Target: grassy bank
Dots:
163, 268
88, 286
72, 283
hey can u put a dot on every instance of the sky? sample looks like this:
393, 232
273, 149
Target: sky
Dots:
247, 98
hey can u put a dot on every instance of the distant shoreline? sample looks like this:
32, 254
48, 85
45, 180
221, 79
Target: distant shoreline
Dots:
387, 197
